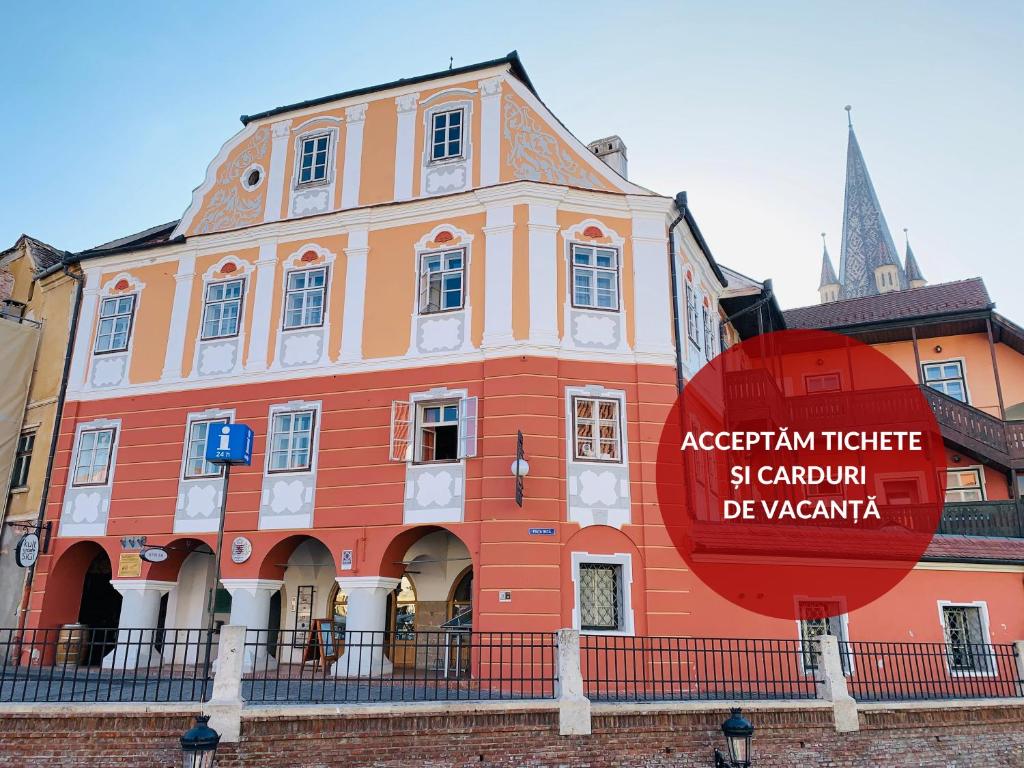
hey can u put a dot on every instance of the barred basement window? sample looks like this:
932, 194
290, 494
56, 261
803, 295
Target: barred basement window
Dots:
818, 619
966, 644
600, 596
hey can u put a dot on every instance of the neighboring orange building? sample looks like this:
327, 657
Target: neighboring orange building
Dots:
388, 285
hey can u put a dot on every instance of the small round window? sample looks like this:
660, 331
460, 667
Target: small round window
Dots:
252, 177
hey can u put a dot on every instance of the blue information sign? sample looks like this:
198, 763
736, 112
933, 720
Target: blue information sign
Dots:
542, 531
229, 444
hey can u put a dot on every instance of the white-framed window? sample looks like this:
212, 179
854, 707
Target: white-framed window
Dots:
708, 335
92, 461
22, 459
291, 441
965, 484
968, 648
314, 159
602, 585
820, 383
597, 429
595, 277
442, 281
946, 377
434, 429
196, 465
447, 134
818, 618
304, 296
437, 432
692, 321
115, 328
222, 309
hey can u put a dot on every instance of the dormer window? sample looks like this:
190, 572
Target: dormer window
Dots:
115, 324
313, 159
446, 140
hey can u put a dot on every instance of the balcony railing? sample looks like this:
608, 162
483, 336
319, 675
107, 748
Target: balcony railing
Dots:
982, 518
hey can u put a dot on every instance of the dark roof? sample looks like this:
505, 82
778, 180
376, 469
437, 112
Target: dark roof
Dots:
161, 233
927, 301
975, 549
512, 59
43, 255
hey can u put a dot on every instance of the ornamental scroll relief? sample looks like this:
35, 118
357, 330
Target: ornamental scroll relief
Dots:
535, 155
229, 205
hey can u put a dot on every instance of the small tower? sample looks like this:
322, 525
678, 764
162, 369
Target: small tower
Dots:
828, 287
914, 276
887, 273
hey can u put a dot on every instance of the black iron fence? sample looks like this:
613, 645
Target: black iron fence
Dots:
398, 666
917, 671
79, 664
617, 668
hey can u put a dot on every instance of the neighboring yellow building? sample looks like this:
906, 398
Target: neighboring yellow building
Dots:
37, 306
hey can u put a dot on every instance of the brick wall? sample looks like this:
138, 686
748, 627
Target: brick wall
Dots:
950, 737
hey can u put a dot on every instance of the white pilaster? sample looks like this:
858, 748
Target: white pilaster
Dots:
355, 118
355, 296
179, 317
83, 336
405, 150
364, 626
250, 607
499, 229
266, 266
140, 611
543, 228
490, 131
277, 175
651, 305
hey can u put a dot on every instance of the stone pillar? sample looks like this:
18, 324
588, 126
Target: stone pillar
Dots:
405, 144
355, 296
179, 317
225, 705
140, 611
573, 704
266, 273
250, 607
355, 118
499, 230
364, 628
832, 685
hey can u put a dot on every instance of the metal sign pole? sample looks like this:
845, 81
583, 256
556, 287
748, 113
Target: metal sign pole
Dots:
212, 599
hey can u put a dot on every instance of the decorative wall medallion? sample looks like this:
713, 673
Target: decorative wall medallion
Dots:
598, 488
301, 349
241, 550
536, 155
286, 496
434, 489
441, 333
86, 507
594, 329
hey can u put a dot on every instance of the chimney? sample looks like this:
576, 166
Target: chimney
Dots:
612, 150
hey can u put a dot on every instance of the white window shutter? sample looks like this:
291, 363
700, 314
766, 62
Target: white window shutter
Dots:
401, 431
467, 427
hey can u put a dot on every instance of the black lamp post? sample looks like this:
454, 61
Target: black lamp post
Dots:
199, 744
738, 732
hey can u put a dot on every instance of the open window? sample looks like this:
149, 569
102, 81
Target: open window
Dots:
433, 431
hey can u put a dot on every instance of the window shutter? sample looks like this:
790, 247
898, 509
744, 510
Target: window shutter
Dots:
467, 427
401, 431
424, 289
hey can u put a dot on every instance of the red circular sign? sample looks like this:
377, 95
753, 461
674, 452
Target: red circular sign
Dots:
801, 467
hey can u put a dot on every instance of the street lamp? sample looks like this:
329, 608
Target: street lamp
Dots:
199, 744
738, 732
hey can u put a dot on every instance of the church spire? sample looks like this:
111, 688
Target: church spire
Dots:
868, 263
828, 286
913, 271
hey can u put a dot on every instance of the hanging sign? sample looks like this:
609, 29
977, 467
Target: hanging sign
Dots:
229, 444
154, 554
241, 550
129, 565
27, 550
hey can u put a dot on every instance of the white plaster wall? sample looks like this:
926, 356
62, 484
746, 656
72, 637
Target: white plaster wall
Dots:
310, 563
186, 606
437, 559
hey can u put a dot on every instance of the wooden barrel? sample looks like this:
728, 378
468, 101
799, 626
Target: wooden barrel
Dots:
71, 643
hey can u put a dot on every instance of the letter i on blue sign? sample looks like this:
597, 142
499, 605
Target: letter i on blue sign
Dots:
229, 444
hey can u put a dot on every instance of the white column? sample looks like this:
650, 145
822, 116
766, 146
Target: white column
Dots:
832, 685
499, 229
140, 611
544, 261
83, 335
250, 607
364, 626
405, 150
355, 118
277, 174
573, 704
651, 298
490, 131
266, 267
355, 296
179, 317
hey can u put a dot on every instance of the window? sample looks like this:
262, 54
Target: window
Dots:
115, 324
196, 464
596, 426
291, 441
92, 465
22, 459
708, 351
304, 298
964, 485
818, 619
313, 158
446, 141
948, 378
437, 433
822, 383
595, 277
903, 491
442, 281
966, 643
222, 309
600, 596
692, 329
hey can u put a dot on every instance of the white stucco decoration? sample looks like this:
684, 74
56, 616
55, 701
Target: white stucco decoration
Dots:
108, 371
201, 500
310, 201
301, 348
217, 358
434, 488
594, 329
444, 179
598, 487
86, 507
286, 496
440, 333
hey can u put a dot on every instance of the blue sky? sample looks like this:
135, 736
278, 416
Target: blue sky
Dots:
111, 111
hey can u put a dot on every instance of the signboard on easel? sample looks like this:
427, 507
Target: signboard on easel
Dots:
321, 643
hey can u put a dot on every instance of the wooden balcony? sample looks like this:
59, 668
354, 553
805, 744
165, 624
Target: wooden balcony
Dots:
981, 434
982, 518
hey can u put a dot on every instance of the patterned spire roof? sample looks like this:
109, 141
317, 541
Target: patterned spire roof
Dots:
828, 274
867, 243
912, 270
